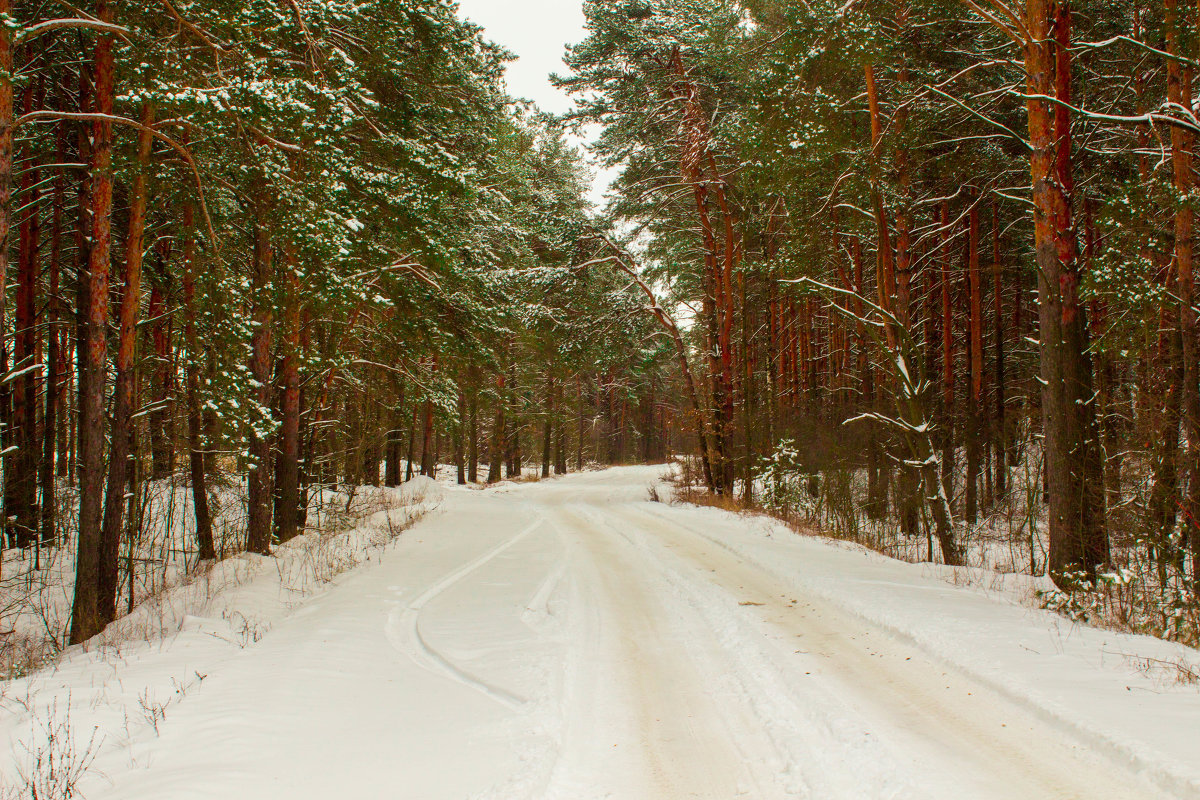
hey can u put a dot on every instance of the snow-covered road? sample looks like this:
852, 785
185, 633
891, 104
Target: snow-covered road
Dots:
569, 640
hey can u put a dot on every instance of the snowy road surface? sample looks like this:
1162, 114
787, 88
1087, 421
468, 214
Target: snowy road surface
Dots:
569, 640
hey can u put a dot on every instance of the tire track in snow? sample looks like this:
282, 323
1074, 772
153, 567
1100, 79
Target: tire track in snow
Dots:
644, 674
971, 729
404, 628
811, 739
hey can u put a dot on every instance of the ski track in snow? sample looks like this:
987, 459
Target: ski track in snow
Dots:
405, 633
568, 640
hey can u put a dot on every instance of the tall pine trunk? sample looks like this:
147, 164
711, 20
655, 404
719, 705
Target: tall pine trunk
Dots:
192, 367
1179, 92
1001, 430
459, 433
258, 531
20, 507
288, 474
1074, 470
162, 449
975, 362
496, 460
86, 617
123, 389
54, 360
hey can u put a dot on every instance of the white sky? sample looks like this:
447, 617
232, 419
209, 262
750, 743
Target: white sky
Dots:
537, 31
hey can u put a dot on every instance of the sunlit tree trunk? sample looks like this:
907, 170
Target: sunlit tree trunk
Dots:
126, 377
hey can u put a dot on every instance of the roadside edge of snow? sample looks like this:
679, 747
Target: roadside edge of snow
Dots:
192, 626
1141, 759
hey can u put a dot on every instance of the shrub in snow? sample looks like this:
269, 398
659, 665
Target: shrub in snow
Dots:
788, 489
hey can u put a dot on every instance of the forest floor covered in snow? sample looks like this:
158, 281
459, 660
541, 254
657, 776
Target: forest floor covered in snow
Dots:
571, 640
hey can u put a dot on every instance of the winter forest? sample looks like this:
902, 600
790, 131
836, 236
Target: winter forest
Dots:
300, 296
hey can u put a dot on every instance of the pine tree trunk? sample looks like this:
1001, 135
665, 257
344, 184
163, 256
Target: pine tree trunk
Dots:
161, 445
1179, 92
395, 438
459, 431
6, 174
473, 446
306, 452
975, 341
579, 420
83, 227
258, 530
86, 617
20, 507
560, 439
948, 358
412, 443
1001, 429
192, 366
54, 363
288, 475
427, 455
1078, 541
498, 444
126, 377
548, 428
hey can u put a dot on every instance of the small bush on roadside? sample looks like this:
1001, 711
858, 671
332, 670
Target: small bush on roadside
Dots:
56, 759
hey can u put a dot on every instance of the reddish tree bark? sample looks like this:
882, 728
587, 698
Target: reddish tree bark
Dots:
6, 174
123, 388
1179, 92
1078, 540
86, 617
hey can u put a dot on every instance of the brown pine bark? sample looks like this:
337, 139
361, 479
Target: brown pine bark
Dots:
948, 355
54, 355
579, 425
260, 489
1001, 433
1179, 92
460, 463
86, 617
412, 442
1078, 540
395, 440
6, 174
876, 506
548, 427
427, 444
720, 261
909, 483
498, 444
20, 507
885, 279
123, 388
473, 437
975, 362
161, 445
287, 479
192, 368
83, 227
